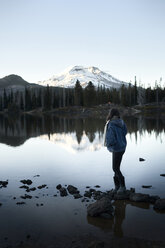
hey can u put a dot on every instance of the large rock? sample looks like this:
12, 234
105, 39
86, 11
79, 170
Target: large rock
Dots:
153, 198
160, 204
63, 192
28, 181
124, 196
100, 207
139, 197
72, 190
88, 194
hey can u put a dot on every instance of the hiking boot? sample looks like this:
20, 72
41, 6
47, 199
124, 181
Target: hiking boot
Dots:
121, 190
117, 185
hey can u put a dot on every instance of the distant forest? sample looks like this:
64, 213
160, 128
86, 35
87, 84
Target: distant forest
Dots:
49, 98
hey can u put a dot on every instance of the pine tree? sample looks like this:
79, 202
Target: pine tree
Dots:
89, 95
78, 94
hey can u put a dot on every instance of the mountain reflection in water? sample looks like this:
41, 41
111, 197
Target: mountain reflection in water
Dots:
15, 131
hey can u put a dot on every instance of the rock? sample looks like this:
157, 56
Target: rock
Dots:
28, 181
99, 207
123, 196
63, 192
0, 204
26, 196
24, 187
138, 197
54, 195
77, 196
72, 190
97, 186
28, 236
37, 176
20, 203
146, 186
88, 194
141, 159
162, 175
154, 198
42, 186
160, 204
14, 198
87, 187
92, 190
59, 186
3, 184
98, 197
31, 189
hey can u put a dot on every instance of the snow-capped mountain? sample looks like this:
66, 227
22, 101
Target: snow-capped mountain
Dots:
84, 74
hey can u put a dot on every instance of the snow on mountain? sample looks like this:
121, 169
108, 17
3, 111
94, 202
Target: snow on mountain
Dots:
84, 74
69, 142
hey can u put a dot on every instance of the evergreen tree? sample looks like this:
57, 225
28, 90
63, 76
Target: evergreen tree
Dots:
89, 95
78, 94
5, 100
21, 102
47, 98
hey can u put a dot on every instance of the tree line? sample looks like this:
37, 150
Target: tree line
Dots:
48, 98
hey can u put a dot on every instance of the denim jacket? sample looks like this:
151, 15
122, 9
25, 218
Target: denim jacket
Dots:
115, 135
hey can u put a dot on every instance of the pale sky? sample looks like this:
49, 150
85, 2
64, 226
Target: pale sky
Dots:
41, 38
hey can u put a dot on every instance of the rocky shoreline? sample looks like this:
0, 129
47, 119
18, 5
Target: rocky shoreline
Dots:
99, 204
102, 199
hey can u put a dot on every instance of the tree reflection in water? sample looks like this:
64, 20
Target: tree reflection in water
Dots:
15, 131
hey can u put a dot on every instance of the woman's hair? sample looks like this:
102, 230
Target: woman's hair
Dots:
113, 112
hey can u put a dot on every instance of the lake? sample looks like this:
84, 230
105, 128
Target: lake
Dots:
50, 150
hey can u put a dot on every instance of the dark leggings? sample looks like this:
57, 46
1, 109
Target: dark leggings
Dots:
116, 161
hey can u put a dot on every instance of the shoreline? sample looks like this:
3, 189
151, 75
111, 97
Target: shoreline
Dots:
98, 111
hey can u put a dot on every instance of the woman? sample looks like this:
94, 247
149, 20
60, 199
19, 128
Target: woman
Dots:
115, 141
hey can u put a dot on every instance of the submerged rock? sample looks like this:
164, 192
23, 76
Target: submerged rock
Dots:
160, 204
31, 189
63, 192
72, 190
24, 187
141, 159
3, 184
20, 203
101, 206
146, 186
97, 186
162, 175
28, 181
42, 186
26, 196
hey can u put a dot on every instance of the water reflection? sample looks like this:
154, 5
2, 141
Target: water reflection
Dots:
116, 224
15, 131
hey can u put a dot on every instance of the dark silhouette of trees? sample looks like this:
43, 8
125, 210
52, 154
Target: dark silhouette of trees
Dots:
49, 98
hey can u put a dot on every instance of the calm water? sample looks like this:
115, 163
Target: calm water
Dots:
70, 151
